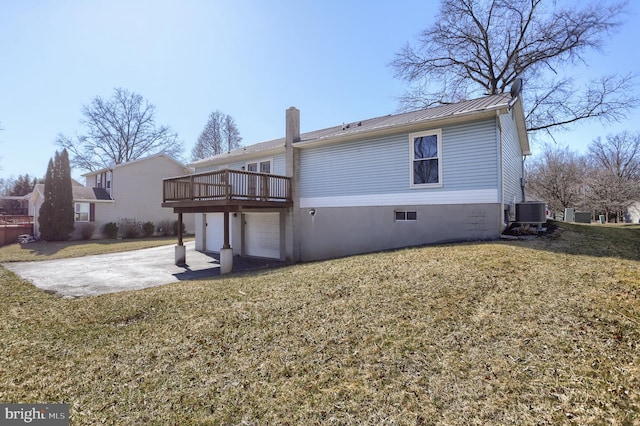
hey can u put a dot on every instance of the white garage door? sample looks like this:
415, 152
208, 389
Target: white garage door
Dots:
262, 234
215, 231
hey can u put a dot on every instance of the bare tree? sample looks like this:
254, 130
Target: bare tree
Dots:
1, 141
557, 178
219, 134
614, 180
479, 47
118, 130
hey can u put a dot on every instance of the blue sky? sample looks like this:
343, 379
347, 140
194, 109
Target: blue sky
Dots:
250, 59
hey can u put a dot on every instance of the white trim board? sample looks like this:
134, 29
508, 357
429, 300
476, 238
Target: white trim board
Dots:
478, 196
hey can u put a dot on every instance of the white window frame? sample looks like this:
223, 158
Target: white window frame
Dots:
79, 211
258, 163
412, 137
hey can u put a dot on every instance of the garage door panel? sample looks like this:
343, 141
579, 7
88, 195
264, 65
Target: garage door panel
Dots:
215, 232
262, 235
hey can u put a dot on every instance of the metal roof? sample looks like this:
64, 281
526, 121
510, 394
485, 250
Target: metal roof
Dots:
486, 103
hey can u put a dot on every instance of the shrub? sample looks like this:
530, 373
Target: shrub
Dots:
110, 230
130, 228
148, 228
87, 230
165, 228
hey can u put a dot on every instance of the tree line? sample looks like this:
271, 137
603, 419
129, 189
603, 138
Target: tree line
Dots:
605, 180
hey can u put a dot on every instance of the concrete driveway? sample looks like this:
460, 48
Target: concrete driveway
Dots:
110, 273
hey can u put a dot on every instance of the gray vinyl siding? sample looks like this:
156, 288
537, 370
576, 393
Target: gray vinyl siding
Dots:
371, 166
382, 165
279, 164
206, 169
470, 156
511, 160
238, 165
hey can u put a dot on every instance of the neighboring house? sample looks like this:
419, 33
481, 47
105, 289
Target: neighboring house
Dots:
84, 200
450, 173
128, 191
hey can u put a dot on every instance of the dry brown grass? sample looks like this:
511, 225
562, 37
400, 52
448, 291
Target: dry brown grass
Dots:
533, 332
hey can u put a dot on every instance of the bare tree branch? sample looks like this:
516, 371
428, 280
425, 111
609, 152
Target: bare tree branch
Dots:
118, 130
478, 47
219, 134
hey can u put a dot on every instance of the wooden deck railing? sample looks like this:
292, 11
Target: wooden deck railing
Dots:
227, 185
12, 220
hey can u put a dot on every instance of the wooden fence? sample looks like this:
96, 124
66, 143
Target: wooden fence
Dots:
12, 226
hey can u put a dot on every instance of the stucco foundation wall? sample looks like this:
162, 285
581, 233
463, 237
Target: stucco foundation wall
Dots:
342, 231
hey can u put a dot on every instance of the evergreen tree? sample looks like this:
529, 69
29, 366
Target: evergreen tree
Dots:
57, 212
65, 207
45, 217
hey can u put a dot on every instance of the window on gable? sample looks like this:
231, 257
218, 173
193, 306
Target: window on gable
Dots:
82, 212
426, 167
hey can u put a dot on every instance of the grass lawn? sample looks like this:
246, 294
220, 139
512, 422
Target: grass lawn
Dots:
519, 332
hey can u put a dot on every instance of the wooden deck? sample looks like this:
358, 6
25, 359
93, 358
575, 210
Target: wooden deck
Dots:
226, 190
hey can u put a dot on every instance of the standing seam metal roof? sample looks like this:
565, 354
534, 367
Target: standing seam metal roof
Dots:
378, 123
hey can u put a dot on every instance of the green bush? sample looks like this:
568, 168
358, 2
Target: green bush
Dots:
110, 230
148, 229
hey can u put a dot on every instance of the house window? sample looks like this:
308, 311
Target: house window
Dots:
406, 216
263, 166
82, 212
426, 155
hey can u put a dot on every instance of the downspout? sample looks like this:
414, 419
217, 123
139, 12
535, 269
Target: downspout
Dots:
523, 181
501, 218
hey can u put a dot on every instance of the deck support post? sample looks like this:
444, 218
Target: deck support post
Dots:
226, 253
180, 250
